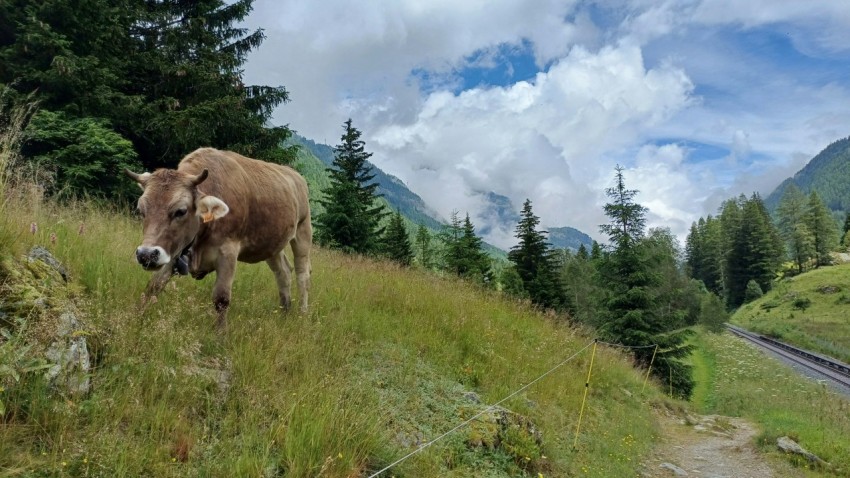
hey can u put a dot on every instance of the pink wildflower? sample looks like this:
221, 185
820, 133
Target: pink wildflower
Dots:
53, 238
33, 228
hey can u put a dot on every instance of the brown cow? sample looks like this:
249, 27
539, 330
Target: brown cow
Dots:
218, 207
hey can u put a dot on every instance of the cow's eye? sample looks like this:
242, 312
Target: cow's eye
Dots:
180, 213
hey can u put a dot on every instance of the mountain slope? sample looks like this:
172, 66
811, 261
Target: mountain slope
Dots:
569, 238
828, 173
386, 359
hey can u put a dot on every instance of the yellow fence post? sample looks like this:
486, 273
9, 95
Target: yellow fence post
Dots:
650, 368
583, 400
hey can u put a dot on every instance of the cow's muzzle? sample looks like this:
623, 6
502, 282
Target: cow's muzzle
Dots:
152, 258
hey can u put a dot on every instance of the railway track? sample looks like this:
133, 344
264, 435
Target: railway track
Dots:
832, 369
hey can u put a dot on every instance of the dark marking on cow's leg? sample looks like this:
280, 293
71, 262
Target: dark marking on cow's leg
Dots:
283, 275
221, 306
224, 273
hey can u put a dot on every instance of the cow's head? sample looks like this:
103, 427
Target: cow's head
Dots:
173, 209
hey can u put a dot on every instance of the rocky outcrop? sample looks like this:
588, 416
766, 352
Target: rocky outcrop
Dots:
789, 446
37, 307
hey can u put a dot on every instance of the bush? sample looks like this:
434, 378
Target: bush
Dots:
753, 291
801, 303
85, 154
712, 313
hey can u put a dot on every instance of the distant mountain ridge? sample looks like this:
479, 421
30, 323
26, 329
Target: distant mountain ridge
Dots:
828, 173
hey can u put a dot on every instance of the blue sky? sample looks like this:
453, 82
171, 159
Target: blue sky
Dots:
700, 100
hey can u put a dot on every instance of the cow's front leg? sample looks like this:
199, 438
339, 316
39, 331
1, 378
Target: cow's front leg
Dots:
224, 272
158, 281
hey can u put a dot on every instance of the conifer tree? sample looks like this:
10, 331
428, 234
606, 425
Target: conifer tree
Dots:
792, 224
397, 241
424, 247
352, 217
464, 251
535, 262
164, 75
631, 313
823, 229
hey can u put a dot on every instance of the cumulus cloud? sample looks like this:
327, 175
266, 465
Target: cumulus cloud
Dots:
633, 85
545, 140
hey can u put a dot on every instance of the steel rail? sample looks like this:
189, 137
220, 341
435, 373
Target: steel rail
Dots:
834, 370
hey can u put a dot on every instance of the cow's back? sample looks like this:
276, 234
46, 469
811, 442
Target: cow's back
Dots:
267, 201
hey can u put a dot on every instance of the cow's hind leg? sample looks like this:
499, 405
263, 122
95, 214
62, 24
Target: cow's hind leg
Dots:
283, 275
301, 245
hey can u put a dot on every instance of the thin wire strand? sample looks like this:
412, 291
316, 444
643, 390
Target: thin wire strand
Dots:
467, 422
628, 346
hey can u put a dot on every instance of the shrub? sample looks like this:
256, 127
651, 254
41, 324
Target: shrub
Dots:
753, 291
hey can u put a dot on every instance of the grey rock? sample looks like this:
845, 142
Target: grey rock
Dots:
789, 446
674, 469
39, 253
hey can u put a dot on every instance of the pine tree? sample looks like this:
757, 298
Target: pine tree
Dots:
823, 229
397, 241
165, 75
632, 309
792, 224
535, 262
352, 217
424, 248
465, 255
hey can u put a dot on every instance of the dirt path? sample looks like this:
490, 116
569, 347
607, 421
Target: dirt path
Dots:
708, 447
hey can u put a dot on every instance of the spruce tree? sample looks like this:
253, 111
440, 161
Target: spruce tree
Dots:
535, 262
424, 247
632, 309
397, 241
464, 250
792, 224
823, 229
164, 75
352, 217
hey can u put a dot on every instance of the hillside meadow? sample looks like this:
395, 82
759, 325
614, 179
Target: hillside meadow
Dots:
386, 359
811, 310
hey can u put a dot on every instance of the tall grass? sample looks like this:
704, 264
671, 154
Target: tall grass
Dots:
744, 382
384, 361
12, 121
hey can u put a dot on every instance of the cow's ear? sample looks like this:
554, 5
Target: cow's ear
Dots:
210, 208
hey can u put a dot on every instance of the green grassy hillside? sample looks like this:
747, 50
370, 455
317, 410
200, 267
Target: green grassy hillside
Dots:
385, 360
811, 310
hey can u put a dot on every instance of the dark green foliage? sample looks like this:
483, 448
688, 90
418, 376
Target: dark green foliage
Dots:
165, 75
794, 227
704, 253
713, 314
755, 249
85, 155
580, 282
824, 231
753, 291
512, 283
463, 251
397, 242
632, 274
424, 247
801, 303
535, 262
352, 218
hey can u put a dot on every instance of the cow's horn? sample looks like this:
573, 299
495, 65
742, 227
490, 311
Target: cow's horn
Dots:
139, 178
200, 178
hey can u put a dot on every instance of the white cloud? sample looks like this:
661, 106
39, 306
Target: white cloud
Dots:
544, 140
634, 89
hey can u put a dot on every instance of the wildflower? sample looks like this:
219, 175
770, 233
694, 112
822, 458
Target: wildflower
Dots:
85, 460
64, 464
82, 228
33, 228
53, 238
339, 456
